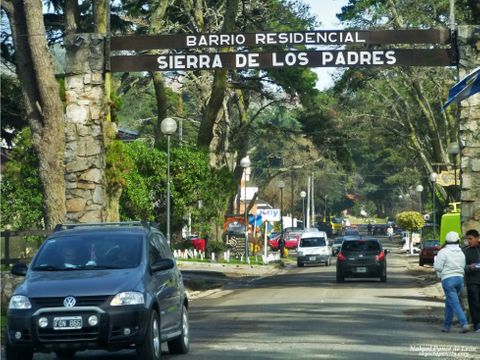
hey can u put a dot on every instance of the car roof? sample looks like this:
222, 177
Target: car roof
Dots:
103, 230
313, 234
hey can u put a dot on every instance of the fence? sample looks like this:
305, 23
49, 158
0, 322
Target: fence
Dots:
21, 245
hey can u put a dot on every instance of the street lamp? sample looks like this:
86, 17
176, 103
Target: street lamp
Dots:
419, 190
303, 195
454, 150
433, 179
168, 127
245, 163
281, 185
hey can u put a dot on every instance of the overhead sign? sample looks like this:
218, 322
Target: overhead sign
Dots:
317, 37
447, 178
334, 58
269, 214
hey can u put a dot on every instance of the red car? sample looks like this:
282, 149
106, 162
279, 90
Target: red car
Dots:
291, 240
428, 251
198, 244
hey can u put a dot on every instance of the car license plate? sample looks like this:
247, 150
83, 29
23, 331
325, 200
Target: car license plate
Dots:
67, 323
312, 258
361, 269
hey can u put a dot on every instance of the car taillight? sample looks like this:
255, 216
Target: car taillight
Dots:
341, 257
381, 256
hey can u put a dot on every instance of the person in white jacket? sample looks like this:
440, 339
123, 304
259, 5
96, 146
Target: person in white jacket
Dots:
450, 267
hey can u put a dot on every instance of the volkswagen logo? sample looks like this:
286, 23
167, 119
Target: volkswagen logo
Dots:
69, 302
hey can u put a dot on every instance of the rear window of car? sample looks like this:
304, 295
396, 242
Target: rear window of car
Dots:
313, 242
351, 232
361, 245
431, 243
90, 251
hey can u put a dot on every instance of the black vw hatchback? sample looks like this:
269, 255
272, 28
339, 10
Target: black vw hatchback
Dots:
362, 258
99, 286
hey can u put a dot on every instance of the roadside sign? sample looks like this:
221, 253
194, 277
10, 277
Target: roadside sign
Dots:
261, 39
447, 178
269, 214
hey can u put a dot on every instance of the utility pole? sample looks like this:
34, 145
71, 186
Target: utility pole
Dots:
309, 197
313, 200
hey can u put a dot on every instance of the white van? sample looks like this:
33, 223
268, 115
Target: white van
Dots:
313, 249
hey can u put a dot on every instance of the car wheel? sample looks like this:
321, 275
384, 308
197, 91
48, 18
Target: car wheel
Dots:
300, 264
181, 345
12, 353
151, 348
65, 354
383, 278
340, 278
420, 262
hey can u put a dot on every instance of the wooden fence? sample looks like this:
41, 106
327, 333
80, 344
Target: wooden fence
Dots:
15, 246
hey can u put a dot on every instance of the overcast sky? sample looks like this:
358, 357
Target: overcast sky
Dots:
325, 11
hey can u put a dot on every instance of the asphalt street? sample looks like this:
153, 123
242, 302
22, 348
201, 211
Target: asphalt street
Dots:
304, 314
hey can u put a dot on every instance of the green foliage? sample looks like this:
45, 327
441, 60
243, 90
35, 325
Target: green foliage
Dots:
117, 165
12, 109
21, 203
192, 180
216, 247
410, 220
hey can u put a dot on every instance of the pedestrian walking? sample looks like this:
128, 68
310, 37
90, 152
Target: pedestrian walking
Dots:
450, 267
369, 228
390, 232
472, 276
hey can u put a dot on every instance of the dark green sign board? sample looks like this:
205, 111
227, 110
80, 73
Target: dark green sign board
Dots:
249, 54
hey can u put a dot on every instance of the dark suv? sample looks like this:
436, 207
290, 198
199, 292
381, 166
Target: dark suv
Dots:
363, 258
99, 286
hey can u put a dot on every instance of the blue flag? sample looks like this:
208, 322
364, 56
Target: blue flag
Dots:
469, 86
255, 220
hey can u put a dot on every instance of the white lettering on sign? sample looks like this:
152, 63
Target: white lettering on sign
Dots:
290, 59
269, 214
189, 61
362, 58
215, 40
247, 60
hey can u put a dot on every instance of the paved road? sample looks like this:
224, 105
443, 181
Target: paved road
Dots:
304, 314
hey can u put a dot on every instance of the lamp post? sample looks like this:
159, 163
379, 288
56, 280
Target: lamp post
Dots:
245, 163
454, 150
433, 179
168, 127
303, 195
419, 190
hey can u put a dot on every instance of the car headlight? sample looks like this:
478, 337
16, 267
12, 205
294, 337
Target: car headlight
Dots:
128, 298
19, 302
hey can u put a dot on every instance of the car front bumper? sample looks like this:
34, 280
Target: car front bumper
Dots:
110, 333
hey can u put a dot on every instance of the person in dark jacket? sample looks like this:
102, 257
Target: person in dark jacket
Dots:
472, 276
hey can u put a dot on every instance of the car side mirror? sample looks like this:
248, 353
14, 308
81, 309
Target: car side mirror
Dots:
162, 265
386, 251
19, 269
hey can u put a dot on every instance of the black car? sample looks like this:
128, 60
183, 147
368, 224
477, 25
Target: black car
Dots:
362, 258
99, 286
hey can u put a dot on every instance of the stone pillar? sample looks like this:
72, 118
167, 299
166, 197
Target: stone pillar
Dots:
469, 134
84, 148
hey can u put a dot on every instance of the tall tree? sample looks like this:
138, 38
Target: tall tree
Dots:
42, 101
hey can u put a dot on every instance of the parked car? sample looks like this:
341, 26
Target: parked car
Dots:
351, 232
326, 227
337, 244
292, 239
99, 286
313, 249
198, 243
428, 251
362, 258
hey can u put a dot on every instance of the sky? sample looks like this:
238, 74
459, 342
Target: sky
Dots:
325, 11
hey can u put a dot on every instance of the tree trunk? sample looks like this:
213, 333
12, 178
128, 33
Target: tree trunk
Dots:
42, 101
219, 85
72, 17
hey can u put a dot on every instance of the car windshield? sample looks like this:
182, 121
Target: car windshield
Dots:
351, 232
361, 245
313, 242
90, 251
